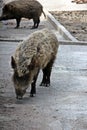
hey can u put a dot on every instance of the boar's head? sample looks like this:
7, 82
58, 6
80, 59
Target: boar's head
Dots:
20, 82
7, 12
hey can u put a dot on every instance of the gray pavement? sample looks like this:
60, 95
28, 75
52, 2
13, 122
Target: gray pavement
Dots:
8, 31
62, 106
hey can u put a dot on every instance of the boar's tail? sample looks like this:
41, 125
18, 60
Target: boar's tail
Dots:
44, 13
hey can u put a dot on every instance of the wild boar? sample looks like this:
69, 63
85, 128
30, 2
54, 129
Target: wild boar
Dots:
30, 9
35, 53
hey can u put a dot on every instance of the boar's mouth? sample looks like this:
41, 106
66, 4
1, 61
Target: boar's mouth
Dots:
19, 93
20, 84
6, 17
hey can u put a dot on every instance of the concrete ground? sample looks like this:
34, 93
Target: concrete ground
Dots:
62, 106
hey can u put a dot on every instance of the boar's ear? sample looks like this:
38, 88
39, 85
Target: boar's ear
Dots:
13, 64
8, 7
31, 66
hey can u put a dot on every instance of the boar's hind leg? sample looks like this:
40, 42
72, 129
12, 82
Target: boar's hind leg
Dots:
36, 23
18, 22
46, 74
33, 86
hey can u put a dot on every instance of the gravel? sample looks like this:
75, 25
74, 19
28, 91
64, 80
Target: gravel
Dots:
74, 21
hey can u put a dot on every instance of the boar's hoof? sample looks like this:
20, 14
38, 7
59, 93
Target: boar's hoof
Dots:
45, 84
16, 27
34, 27
19, 97
32, 95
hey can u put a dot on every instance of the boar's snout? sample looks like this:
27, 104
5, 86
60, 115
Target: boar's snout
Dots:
3, 18
19, 93
6, 17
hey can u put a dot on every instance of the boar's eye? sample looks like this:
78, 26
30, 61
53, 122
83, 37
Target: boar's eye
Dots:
31, 67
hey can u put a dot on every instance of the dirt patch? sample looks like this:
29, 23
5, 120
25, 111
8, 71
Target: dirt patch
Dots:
74, 21
79, 1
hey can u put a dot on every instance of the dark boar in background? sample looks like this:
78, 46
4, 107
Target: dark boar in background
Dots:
30, 9
37, 52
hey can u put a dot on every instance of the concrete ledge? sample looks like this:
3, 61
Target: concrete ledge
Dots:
9, 40
62, 30
79, 43
62, 42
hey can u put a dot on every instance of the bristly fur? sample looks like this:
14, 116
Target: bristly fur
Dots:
35, 53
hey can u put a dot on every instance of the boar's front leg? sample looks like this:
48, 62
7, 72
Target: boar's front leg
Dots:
46, 77
46, 74
18, 22
33, 86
